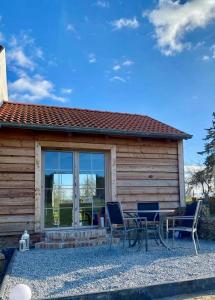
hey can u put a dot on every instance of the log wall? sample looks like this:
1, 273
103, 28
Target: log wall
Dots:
146, 170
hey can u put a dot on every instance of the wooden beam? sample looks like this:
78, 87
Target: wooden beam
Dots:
113, 172
181, 173
72, 145
38, 187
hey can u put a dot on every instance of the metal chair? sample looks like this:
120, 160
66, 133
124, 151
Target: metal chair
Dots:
120, 223
152, 218
189, 227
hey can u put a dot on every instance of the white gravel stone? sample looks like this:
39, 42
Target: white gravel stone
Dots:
52, 273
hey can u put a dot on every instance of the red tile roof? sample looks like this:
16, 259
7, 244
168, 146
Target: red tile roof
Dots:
83, 120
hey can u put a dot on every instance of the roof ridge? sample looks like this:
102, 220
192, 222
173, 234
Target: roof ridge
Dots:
77, 108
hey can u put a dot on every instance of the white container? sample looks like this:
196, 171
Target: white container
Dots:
26, 238
22, 245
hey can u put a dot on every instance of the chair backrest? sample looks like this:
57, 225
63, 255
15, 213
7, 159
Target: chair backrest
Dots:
197, 213
115, 214
193, 209
148, 206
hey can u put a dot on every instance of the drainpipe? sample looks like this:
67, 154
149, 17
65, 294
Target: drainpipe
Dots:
3, 76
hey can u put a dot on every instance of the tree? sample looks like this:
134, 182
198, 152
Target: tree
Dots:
200, 178
209, 152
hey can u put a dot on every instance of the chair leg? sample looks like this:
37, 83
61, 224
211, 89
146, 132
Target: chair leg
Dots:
194, 242
146, 237
197, 240
156, 236
124, 239
173, 238
111, 238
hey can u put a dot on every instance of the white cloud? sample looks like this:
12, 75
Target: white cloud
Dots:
119, 66
172, 21
125, 23
18, 57
92, 58
103, 4
127, 63
23, 60
70, 27
33, 88
117, 78
66, 91
116, 67
206, 57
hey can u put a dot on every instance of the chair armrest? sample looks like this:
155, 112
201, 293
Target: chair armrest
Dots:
135, 218
180, 218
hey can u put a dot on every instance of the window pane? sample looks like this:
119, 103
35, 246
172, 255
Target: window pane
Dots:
85, 215
98, 161
85, 161
52, 217
66, 161
51, 160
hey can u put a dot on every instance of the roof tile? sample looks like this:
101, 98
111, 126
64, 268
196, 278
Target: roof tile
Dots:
25, 115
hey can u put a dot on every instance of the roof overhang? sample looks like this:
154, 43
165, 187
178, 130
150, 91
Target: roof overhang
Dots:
102, 131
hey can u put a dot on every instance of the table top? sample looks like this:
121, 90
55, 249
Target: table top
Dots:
149, 211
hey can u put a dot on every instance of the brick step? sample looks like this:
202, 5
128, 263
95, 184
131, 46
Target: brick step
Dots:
74, 235
74, 244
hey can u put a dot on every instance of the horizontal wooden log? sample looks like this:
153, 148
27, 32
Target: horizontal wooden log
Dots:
16, 210
16, 160
142, 161
147, 183
146, 190
152, 168
16, 151
22, 192
17, 143
146, 175
144, 149
16, 219
108, 139
17, 184
17, 201
146, 155
148, 197
12, 228
16, 177
17, 168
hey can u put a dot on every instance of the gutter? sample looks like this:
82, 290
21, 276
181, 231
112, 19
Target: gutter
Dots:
96, 131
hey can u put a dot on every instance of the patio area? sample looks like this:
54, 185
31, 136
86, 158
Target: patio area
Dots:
66, 272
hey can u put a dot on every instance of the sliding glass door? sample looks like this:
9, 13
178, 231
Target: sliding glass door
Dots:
74, 188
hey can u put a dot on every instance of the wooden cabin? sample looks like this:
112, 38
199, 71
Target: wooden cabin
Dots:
58, 166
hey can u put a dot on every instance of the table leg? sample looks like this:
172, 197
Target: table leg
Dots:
160, 233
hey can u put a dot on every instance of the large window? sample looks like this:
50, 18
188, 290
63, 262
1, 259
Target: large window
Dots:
63, 196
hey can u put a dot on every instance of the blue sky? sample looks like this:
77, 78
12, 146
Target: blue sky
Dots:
147, 57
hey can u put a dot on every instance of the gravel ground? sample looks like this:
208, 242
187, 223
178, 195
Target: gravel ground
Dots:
52, 273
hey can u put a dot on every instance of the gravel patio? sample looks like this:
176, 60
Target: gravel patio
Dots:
52, 273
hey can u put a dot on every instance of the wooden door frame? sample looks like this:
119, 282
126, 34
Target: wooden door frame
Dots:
40, 145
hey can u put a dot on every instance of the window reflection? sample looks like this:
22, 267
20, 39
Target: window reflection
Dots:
58, 189
91, 187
